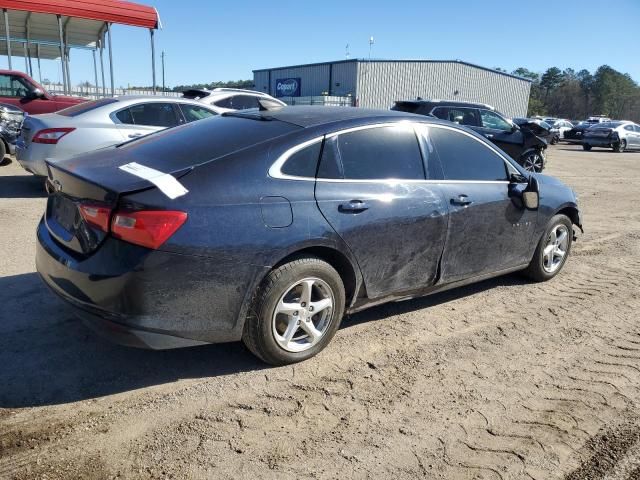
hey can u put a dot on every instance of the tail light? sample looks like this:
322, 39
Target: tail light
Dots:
147, 228
51, 135
96, 216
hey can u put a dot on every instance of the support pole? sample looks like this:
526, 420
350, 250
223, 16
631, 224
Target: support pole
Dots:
95, 72
164, 88
38, 55
110, 59
6, 31
26, 60
62, 50
153, 61
104, 87
66, 63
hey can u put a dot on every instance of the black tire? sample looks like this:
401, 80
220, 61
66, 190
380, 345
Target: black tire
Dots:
258, 333
3, 152
555, 140
536, 271
586, 146
620, 147
532, 161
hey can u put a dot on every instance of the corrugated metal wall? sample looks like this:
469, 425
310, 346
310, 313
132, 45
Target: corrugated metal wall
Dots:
380, 84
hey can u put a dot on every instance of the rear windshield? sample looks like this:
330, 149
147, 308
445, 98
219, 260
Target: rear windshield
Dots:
85, 107
198, 142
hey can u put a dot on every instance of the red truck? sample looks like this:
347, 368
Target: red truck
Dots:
19, 89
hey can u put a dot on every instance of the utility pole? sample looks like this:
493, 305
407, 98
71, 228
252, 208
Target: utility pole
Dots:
162, 57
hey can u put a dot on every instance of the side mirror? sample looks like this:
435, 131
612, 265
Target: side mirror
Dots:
514, 127
531, 196
37, 93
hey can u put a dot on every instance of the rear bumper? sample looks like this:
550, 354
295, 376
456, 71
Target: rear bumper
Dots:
31, 157
146, 298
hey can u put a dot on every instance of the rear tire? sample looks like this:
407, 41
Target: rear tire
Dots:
3, 152
620, 147
586, 146
282, 328
532, 161
555, 140
552, 251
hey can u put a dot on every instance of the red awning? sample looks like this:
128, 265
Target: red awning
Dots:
112, 11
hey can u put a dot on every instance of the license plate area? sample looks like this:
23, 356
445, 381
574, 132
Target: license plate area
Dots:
65, 212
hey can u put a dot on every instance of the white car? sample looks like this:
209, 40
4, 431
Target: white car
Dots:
560, 126
100, 123
229, 99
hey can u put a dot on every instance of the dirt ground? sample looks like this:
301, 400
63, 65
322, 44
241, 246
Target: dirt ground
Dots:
501, 380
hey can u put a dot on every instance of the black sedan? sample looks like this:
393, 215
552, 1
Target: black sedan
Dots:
268, 226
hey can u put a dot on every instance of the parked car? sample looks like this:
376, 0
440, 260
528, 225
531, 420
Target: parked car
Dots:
559, 125
597, 119
539, 128
22, 91
268, 226
619, 136
522, 145
230, 99
10, 122
98, 124
575, 134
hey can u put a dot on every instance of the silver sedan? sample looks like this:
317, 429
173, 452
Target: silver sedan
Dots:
98, 124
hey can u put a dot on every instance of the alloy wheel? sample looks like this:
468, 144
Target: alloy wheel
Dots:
303, 314
556, 249
533, 162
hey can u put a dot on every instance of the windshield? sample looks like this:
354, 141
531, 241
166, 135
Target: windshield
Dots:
85, 107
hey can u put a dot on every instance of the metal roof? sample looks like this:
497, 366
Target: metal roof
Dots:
364, 60
84, 23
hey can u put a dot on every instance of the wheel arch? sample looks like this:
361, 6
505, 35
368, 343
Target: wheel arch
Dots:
348, 271
573, 213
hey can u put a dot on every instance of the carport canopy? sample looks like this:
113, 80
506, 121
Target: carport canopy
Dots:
49, 29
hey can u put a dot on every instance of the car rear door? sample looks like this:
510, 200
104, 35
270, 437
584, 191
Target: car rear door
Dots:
371, 188
144, 118
488, 231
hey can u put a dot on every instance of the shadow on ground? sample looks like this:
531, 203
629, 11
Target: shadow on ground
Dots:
48, 357
22, 186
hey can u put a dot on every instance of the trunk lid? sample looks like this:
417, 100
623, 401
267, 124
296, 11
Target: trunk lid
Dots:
74, 191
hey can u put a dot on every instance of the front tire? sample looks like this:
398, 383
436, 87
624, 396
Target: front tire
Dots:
552, 251
620, 147
296, 312
532, 161
586, 147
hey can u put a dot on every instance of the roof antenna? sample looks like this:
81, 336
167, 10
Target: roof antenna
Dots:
346, 53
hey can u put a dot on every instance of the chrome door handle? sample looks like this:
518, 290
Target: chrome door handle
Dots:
135, 135
354, 206
488, 135
461, 200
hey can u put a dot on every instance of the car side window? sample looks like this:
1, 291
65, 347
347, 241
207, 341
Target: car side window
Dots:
378, 153
629, 128
195, 112
156, 114
637, 128
465, 158
461, 116
223, 103
243, 102
304, 162
494, 121
14, 86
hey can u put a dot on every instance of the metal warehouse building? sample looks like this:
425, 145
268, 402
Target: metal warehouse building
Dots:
379, 83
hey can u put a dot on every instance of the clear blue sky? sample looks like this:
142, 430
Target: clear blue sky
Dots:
207, 41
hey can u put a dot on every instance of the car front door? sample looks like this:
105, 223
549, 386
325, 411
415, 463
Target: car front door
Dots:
499, 131
636, 129
17, 91
371, 188
489, 231
145, 118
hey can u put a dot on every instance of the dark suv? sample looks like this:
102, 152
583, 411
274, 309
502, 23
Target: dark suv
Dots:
521, 144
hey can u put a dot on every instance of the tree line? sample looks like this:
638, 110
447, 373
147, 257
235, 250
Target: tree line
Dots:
577, 95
